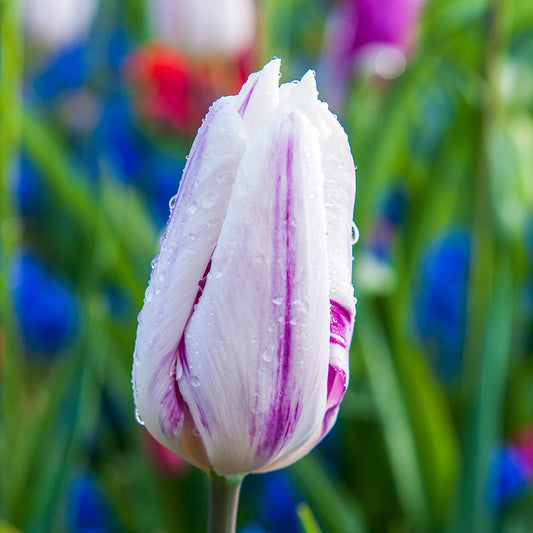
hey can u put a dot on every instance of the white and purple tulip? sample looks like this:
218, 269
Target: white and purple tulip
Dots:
241, 358
57, 23
205, 27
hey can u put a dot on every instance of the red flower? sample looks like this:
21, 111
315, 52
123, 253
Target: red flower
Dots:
177, 92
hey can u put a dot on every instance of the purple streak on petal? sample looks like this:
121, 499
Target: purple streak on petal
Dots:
336, 389
244, 105
201, 283
285, 410
340, 324
182, 356
182, 360
173, 407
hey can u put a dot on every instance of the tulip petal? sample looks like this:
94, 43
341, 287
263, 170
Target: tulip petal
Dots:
186, 249
257, 343
259, 96
339, 196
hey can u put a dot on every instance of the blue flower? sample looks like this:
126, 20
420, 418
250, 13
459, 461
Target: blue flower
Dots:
46, 308
29, 189
508, 477
87, 510
118, 140
66, 69
162, 184
440, 301
252, 528
278, 501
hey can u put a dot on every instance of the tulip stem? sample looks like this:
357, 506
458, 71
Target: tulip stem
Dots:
223, 503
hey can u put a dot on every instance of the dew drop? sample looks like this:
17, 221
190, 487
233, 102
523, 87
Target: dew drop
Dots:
208, 201
148, 295
355, 233
242, 188
267, 354
277, 300
172, 202
191, 209
195, 382
138, 417
195, 432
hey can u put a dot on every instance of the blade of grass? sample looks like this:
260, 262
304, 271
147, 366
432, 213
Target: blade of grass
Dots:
332, 503
307, 519
392, 409
11, 68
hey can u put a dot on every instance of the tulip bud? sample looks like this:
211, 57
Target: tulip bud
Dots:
205, 27
56, 23
241, 357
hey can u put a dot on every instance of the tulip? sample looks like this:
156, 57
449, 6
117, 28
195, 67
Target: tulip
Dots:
56, 23
241, 357
370, 36
205, 27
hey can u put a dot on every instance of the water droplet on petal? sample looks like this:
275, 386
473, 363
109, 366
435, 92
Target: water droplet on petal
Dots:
138, 417
195, 382
172, 202
267, 354
277, 300
148, 295
208, 201
355, 233
195, 432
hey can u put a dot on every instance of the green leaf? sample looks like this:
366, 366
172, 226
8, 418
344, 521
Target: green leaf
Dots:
330, 500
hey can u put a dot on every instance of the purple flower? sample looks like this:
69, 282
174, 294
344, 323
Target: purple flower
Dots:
241, 358
372, 36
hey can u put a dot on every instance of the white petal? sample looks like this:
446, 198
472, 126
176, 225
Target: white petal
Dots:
59, 22
258, 341
186, 249
205, 27
259, 96
339, 196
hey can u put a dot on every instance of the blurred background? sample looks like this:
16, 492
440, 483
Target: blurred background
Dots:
99, 103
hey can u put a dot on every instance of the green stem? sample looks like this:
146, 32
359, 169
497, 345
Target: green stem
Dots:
223, 503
